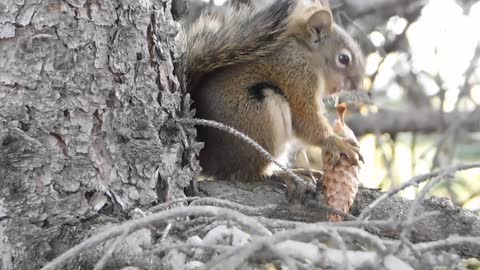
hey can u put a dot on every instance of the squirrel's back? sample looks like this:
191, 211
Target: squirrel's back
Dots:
233, 36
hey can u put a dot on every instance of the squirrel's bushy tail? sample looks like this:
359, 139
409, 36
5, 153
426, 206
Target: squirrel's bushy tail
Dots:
233, 36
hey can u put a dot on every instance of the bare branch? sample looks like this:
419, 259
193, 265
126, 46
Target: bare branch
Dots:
420, 121
236, 256
420, 197
247, 210
435, 219
136, 224
264, 153
414, 182
168, 204
187, 246
101, 263
448, 242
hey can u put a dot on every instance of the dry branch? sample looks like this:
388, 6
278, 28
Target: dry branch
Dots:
265, 246
157, 217
384, 8
414, 182
389, 121
448, 219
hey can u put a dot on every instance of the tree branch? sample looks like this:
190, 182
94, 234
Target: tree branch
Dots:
389, 121
450, 220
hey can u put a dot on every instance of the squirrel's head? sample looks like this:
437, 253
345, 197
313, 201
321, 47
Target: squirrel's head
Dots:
344, 61
332, 51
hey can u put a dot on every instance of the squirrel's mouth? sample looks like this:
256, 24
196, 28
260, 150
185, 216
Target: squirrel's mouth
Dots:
347, 85
342, 86
343, 83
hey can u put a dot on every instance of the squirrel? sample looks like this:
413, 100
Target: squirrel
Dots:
264, 72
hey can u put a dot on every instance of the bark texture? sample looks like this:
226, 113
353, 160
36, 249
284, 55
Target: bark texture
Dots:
87, 89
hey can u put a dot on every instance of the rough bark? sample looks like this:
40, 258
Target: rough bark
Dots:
85, 100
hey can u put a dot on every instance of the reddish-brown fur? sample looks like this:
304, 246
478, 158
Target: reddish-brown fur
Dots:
304, 71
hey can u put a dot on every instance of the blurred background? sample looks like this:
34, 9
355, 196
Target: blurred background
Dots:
424, 77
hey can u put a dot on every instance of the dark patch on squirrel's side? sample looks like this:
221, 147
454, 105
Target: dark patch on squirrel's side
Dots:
257, 90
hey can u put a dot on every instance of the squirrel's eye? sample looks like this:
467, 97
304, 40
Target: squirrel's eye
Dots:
343, 58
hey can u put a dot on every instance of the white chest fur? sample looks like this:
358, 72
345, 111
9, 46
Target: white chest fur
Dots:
284, 140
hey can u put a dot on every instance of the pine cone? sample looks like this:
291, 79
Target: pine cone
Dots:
340, 182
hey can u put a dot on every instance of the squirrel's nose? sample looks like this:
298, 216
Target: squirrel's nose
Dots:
350, 85
356, 83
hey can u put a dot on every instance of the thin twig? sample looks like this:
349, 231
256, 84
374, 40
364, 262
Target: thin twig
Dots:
280, 254
419, 199
188, 245
166, 205
448, 242
166, 231
414, 181
264, 153
391, 223
341, 245
101, 263
136, 224
406, 242
329, 101
247, 210
236, 256
329, 209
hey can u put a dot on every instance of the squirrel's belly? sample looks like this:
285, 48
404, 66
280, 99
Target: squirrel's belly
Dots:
282, 130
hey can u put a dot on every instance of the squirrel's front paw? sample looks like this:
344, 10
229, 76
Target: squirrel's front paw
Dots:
337, 146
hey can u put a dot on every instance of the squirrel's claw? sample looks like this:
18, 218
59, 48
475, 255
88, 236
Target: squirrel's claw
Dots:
338, 146
358, 156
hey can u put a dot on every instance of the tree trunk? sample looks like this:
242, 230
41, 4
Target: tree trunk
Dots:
87, 93
88, 100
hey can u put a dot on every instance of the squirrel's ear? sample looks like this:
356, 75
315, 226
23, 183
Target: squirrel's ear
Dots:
319, 25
